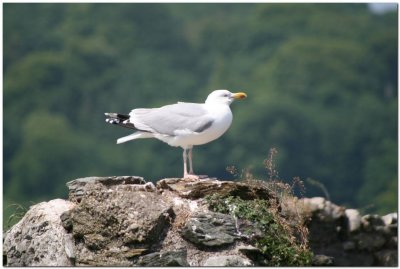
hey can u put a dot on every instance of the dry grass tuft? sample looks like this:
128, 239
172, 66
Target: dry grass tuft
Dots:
17, 215
287, 211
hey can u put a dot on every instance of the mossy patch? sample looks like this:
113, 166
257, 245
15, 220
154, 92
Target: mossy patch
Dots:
276, 241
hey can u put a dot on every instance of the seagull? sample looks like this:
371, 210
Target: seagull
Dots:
182, 124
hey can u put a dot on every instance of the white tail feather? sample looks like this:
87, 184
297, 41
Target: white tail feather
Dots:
134, 136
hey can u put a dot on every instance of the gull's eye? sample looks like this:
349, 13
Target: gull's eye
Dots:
225, 95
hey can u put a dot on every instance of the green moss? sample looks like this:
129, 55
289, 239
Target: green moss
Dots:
276, 242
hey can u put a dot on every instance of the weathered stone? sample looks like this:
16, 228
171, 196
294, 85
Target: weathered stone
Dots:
390, 219
90, 258
70, 246
78, 186
247, 230
227, 260
161, 259
123, 221
369, 241
349, 245
323, 209
107, 181
210, 230
66, 221
385, 230
392, 242
334, 212
354, 219
130, 253
249, 250
387, 257
254, 254
322, 260
346, 237
194, 189
355, 257
369, 222
124, 226
315, 203
39, 239
393, 228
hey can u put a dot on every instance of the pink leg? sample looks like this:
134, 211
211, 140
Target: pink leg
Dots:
191, 174
190, 161
185, 173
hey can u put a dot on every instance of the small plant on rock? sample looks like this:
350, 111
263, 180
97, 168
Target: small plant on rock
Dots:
268, 231
283, 235
18, 213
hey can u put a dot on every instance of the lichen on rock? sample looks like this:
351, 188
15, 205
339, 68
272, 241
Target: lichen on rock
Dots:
227, 261
114, 221
210, 230
167, 258
38, 239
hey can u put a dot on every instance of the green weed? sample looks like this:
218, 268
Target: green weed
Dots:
18, 212
284, 235
276, 240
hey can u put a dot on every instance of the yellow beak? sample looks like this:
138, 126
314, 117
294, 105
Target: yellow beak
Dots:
239, 95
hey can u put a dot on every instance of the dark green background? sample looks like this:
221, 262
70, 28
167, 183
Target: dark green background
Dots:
321, 81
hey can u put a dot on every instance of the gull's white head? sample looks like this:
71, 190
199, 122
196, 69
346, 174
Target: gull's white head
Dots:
224, 97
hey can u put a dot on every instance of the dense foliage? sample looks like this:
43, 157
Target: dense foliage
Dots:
321, 81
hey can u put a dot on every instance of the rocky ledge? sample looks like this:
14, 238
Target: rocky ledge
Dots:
124, 221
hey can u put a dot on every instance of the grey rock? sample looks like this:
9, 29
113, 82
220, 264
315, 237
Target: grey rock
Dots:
66, 221
161, 259
322, 260
254, 254
314, 204
369, 241
124, 221
117, 223
393, 228
227, 260
210, 229
78, 186
349, 245
349, 239
354, 258
194, 189
332, 211
107, 181
387, 257
392, 242
69, 246
390, 219
369, 222
354, 219
249, 250
324, 209
385, 230
39, 239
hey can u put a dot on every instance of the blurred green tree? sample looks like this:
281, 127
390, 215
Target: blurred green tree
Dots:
321, 80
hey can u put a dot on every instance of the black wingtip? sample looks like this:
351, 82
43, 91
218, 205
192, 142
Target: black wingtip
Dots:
119, 119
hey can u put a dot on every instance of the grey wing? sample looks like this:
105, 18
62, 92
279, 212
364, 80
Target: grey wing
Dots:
172, 119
